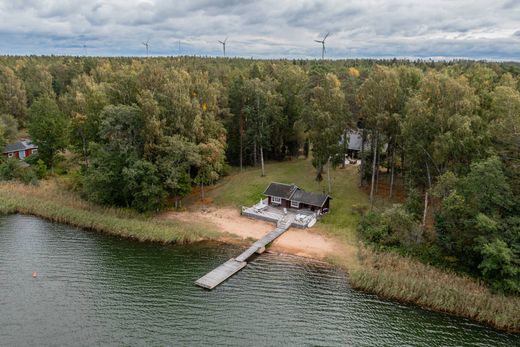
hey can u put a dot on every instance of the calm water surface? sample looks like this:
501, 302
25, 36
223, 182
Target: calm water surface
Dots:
93, 289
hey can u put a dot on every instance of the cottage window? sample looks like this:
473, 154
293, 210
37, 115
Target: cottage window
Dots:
276, 200
295, 204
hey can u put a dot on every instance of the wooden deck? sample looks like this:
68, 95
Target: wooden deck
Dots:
302, 218
233, 265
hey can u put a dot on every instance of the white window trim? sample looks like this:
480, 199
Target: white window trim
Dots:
10, 155
276, 200
295, 204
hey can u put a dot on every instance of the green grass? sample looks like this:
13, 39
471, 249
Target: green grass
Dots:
246, 188
56, 204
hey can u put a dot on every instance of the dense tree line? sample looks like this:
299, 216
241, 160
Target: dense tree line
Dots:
146, 131
454, 136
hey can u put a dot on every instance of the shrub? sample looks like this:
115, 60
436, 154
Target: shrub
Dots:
40, 169
8, 169
393, 227
501, 266
414, 203
13, 169
27, 175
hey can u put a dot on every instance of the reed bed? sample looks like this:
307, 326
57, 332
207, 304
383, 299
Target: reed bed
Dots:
51, 202
400, 278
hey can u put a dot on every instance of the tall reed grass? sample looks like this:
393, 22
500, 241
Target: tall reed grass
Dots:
51, 202
396, 277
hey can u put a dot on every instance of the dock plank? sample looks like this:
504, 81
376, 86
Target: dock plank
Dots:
220, 274
232, 266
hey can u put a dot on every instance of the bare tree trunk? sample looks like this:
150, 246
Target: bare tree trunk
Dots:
392, 169
241, 142
362, 166
254, 153
425, 212
262, 160
345, 148
84, 142
374, 142
319, 170
377, 164
328, 174
429, 176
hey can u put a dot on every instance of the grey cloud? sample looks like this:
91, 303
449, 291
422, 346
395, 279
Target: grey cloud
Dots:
269, 28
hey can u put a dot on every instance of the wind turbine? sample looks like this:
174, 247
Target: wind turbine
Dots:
85, 48
224, 45
322, 45
146, 44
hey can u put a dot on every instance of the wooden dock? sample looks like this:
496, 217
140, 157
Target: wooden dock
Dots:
233, 265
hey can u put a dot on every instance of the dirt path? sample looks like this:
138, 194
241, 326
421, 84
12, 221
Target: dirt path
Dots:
307, 243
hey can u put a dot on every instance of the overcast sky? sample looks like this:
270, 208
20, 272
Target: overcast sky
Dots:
476, 29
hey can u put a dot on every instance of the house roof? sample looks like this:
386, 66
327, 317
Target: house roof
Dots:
294, 193
354, 140
281, 190
19, 146
314, 199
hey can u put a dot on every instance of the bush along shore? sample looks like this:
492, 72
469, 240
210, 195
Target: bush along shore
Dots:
407, 280
50, 202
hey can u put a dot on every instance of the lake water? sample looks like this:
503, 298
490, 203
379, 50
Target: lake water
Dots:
92, 289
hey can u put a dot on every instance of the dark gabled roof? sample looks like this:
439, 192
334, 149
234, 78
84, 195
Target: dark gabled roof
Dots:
19, 146
14, 147
281, 190
314, 199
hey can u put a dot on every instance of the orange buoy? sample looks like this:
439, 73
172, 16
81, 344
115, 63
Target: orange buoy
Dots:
34, 274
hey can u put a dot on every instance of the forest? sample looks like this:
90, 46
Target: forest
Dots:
142, 133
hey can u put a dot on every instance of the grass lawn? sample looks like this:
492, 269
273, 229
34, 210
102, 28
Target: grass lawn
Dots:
246, 188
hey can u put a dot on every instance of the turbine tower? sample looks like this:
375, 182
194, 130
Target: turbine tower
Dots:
223, 43
322, 45
146, 44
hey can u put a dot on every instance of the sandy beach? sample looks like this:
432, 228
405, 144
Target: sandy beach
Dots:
309, 243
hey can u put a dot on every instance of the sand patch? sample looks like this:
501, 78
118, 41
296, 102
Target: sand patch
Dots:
302, 242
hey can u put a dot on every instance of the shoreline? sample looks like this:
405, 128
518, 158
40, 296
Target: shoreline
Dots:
387, 275
308, 243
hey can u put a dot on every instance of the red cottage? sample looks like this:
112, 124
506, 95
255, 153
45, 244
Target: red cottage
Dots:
20, 150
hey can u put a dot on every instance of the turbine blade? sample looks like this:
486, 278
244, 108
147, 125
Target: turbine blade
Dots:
318, 41
327, 35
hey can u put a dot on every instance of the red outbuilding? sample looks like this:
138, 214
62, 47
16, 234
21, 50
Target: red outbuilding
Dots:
20, 150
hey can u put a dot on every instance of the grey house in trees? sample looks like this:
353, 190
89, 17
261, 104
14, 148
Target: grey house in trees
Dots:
291, 196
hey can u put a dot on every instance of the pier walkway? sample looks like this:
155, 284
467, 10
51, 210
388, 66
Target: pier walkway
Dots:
233, 265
